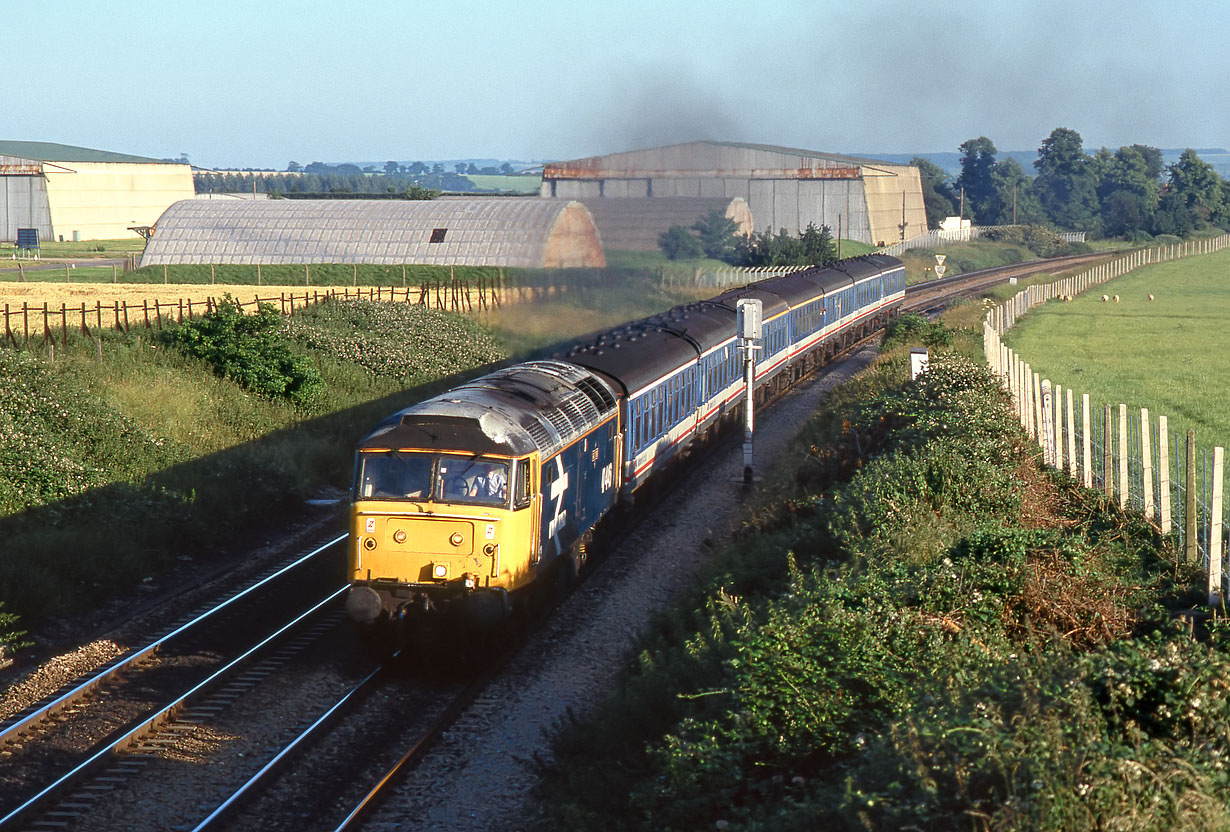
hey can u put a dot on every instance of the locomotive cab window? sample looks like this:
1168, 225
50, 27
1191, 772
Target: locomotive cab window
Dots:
393, 475
522, 492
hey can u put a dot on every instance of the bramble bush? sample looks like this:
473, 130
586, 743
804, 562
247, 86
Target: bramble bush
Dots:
249, 349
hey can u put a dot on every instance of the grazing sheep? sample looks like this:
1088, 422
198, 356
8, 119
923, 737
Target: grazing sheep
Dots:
1150, 297
1116, 298
1105, 298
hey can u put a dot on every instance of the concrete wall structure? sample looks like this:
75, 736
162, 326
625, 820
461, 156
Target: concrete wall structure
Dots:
527, 233
78, 193
783, 187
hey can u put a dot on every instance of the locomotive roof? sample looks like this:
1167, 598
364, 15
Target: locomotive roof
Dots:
539, 405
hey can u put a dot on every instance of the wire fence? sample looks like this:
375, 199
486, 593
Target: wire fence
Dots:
1130, 456
45, 323
939, 238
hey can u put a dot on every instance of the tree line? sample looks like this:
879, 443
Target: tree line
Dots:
334, 182
1127, 192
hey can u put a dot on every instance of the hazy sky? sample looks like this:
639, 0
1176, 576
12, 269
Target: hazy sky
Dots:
261, 82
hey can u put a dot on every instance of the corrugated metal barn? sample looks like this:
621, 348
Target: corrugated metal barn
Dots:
784, 187
527, 233
76, 193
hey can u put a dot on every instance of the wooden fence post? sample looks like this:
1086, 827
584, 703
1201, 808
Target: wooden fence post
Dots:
1163, 474
1124, 488
1215, 531
1108, 453
1071, 437
1146, 464
1057, 437
1038, 424
1189, 502
1046, 435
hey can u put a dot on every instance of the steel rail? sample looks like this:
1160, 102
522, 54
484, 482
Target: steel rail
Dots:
322, 720
10, 733
424, 742
129, 737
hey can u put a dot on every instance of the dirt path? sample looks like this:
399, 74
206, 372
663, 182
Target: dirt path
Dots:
36, 293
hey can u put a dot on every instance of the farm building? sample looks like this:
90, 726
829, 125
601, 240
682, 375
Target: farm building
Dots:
635, 224
75, 193
527, 233
867, 199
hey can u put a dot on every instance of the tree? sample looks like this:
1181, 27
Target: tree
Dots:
417, 169
415, 192
506, 169
1195, 184
294, 167
977, 159
938, 199
392, 168
816, 246
717, 234
460, 168
471, 169
678, 243
437, 169
1067, 183
1012, 201
1127, 192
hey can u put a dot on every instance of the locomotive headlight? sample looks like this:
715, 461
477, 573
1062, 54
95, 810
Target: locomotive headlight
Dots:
369, 543
489, 549
440, 570
400, 535
456, 539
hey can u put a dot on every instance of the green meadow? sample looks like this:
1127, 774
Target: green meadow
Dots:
1169, 354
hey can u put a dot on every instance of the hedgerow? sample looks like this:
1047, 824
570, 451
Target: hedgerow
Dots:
902, 650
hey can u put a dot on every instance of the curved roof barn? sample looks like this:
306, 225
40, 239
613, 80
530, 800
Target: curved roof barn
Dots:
527, 233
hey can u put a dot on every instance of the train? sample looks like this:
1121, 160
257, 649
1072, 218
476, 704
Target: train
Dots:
469, 506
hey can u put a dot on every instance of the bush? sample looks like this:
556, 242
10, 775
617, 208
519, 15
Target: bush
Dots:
678, 243
910, 327
247, 349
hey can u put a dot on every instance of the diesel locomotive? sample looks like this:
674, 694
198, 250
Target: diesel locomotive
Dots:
466, 505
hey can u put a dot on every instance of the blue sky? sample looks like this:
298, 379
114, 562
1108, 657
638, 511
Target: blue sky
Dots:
256, 84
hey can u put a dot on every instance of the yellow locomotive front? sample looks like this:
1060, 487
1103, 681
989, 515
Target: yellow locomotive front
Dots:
448, 515
432, 530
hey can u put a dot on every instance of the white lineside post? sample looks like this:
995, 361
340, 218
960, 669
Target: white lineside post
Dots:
1123, 456
1046, 434
1163, 471
1215, 531
1146, 465
749, 312
1071, 437
1086, 443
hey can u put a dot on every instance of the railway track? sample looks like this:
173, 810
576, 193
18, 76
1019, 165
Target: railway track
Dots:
334, 746
935, 294
61, 740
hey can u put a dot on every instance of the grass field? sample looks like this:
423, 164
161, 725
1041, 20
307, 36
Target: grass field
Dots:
1166, 354
510, 184
85, 248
